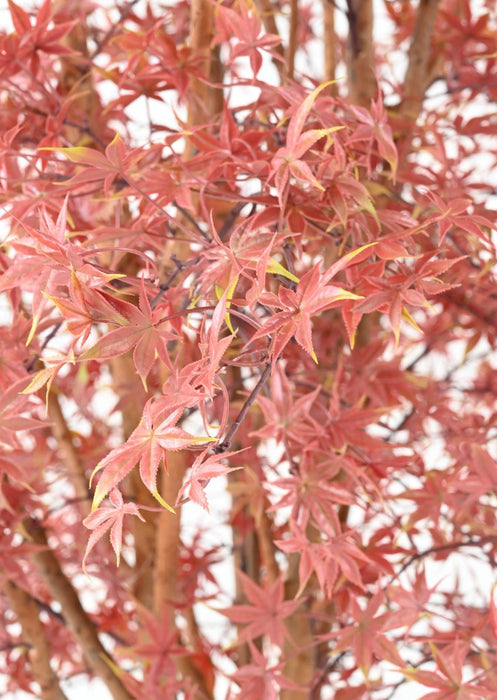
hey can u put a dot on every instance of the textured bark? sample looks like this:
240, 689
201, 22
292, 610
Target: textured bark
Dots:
201, 32
292, 38
329, 40
300, 667
216, 74
78, 622
266, 547
418, 74
360, 52
33, 633
167, 594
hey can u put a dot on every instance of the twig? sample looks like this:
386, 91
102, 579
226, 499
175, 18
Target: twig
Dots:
225, 444
189, 218
32, 363
442, 548
164, 286
110, 33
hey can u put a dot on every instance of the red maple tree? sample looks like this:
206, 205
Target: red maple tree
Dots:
253, 305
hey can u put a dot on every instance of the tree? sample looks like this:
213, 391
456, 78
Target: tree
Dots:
234, 282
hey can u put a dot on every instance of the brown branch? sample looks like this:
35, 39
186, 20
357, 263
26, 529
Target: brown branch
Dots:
329, 39
360, 52
417, 74
225, 444
33, 632
216, 76
266, 546
201, 32
167, 593
292, 38
299, 667
78, 622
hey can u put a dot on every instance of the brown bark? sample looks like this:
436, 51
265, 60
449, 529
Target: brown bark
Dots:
201, 33
418, 75
84, 112
300, 667
329, 40
216, 75
245, 558
266, 547
167, 593
292, 38
360, 53
26, 611
78, 622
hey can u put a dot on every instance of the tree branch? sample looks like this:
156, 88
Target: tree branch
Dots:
25, 608
292, 39
77, 619
360, 52
417, 76
329, 39
225, 444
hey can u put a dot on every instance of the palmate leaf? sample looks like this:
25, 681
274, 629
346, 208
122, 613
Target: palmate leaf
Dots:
311, 297
262, 679
142, 330
266, 613
116, 162
147, 445
365, 637
202, 471
109, 518
244, 28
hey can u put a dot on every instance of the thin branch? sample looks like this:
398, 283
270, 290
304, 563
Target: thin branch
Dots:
450, 546
32, 363
110, 33
164, 286
189, 218
225, 444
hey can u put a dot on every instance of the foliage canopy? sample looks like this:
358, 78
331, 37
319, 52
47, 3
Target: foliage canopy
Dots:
223, 264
